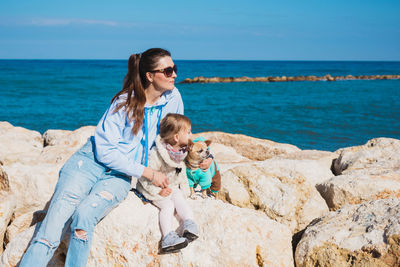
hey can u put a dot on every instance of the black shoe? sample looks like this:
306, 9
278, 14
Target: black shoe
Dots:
175, 248
189, 236
172, 242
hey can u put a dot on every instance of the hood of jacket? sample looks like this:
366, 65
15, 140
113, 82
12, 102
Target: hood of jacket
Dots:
164, 98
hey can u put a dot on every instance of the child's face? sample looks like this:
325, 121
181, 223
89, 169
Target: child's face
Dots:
184, 136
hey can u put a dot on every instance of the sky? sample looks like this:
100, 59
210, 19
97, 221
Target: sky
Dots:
201, 30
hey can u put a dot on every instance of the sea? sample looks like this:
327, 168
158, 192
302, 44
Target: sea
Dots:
68, 94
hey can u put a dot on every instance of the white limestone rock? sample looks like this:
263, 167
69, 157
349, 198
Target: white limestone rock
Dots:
32, 185
278, 191
355, 235
314, 165
130, 236
367, 172
18, 144
7, 204
61, 144
360, 187
249, 147
16, 247
228, 236
378, 155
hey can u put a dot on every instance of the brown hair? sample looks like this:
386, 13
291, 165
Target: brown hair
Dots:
172, 124
135, 81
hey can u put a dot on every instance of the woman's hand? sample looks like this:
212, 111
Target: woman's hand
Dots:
157, 178
160, 180
205, 164
165, 192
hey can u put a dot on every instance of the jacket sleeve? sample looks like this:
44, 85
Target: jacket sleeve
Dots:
107, 135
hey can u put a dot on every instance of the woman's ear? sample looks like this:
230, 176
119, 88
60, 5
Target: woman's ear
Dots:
149, 76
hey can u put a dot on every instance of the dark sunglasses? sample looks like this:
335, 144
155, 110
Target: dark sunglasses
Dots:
167, 71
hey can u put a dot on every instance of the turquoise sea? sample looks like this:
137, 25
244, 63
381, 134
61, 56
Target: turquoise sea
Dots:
68, 94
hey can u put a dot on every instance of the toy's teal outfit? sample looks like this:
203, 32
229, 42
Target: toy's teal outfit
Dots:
210, 178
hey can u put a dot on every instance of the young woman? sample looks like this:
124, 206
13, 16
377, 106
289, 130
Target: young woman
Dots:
98, 176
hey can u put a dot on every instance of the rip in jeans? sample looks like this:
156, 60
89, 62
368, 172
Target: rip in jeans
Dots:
45, 242
106, 195
72, 198
81, 235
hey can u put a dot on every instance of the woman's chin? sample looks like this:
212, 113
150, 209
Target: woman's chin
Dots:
171, 87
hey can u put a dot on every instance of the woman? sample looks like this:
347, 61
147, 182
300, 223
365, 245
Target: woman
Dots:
97, 177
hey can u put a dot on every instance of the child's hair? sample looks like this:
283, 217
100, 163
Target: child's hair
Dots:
172, 124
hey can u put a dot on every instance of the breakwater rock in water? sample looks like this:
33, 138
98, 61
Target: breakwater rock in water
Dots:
327, 77
271, 193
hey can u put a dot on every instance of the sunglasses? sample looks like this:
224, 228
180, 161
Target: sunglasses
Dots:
167, 71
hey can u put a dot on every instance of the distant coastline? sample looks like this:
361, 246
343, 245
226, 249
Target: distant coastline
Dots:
327, 77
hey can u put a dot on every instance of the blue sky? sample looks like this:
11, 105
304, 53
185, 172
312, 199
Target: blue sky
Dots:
241, 30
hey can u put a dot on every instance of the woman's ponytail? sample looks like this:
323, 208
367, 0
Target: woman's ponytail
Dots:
135, 84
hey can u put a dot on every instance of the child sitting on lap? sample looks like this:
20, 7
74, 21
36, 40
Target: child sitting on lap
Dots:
168, 157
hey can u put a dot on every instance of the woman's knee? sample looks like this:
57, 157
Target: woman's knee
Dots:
80, 234
92, 209
84, 218
47, 242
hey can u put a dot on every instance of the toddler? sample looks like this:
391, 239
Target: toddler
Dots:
168, 157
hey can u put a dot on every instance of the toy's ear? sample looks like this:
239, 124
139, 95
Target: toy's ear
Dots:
190, 144
208, 142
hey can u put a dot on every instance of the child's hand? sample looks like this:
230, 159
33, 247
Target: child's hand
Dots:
165, 192
205, 164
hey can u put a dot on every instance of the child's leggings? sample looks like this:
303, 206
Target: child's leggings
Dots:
175, 201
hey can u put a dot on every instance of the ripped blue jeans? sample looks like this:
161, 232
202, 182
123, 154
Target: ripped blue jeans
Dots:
85, 192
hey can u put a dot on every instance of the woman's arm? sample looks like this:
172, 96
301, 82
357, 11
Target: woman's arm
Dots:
107, 135
109, 132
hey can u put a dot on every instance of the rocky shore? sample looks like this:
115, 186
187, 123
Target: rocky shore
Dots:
327, 77
279, 205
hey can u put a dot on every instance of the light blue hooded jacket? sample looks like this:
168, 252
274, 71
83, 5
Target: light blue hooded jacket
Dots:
120, 150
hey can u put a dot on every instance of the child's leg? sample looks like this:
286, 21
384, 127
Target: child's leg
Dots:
190, 230
167, 209
171, 241
181, 206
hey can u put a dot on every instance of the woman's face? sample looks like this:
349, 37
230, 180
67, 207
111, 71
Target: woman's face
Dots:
159, 80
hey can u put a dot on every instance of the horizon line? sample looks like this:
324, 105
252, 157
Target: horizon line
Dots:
292, 60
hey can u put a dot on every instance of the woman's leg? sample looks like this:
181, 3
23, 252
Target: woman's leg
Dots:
166, 215
76, 178
182, 208
105, 195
